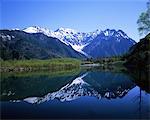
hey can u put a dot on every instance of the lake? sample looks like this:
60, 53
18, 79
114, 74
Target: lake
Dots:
86, 93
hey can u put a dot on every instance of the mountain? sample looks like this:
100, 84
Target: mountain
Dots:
95, 44
80, 88
77, 40
109, 43
138, 63
139, 54
17, 44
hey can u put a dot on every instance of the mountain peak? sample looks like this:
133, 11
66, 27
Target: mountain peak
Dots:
113, 32
122, 33
32, 29
96, 31
79, 40
109, 32
66, 30
36, 29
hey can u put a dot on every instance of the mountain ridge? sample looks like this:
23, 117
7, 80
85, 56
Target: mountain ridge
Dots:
80, 88
98, 43
76, 39
17, 44
80, 40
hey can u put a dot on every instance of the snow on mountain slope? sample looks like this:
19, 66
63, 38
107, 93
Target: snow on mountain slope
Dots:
115, 33
79, 40
36, 29
76, 89
109, 43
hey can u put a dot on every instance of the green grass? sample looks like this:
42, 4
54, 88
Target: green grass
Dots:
60, 73
53, 64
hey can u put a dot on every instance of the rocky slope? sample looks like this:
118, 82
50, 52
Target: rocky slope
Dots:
17, 44
93, 44
139, 54
109, 43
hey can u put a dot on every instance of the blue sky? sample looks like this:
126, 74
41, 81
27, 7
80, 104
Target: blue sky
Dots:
82, 15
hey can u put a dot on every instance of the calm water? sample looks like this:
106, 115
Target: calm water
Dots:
85, 94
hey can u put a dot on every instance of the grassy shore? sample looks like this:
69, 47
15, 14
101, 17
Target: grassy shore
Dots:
33, 65
60, 73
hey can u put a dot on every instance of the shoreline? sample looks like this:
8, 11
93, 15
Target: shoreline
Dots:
36, 65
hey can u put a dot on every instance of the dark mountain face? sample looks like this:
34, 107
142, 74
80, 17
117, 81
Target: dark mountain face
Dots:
138, 63
94, 44
112, 43
16, 44
139, 54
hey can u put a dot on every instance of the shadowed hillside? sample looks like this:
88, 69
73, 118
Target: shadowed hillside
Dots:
20, 45
139, 54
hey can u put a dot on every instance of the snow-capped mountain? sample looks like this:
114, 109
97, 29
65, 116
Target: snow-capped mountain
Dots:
76, 89
109, 43
36, 29
34, 46
80, 40
115, 33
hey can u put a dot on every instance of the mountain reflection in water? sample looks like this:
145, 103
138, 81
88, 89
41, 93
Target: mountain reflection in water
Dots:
78, 87
100, 92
